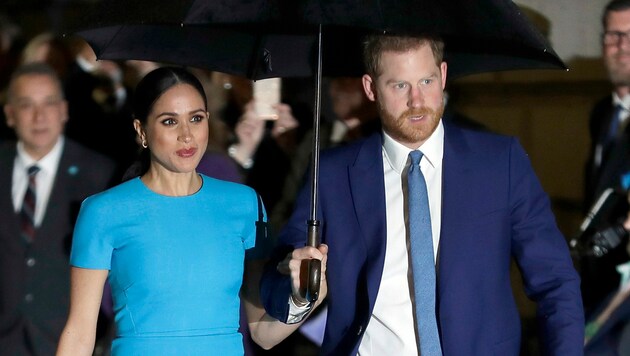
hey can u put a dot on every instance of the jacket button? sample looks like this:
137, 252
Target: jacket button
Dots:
30, 262
29, 298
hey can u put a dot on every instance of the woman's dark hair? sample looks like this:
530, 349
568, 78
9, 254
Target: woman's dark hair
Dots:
147, 92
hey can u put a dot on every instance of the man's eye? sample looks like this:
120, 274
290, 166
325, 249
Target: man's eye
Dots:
400, 85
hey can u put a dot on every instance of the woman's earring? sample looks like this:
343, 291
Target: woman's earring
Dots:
144, 143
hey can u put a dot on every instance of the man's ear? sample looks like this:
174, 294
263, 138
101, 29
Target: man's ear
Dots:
8, 114
443, 68
368, 87
64, 110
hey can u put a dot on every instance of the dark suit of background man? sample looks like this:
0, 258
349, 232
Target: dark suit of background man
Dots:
486, 206
610, 148
34, 275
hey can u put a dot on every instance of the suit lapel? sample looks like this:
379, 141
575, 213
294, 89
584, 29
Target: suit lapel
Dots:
368, 194
62, 193
57, 194
457, 163
7, 157
606, 116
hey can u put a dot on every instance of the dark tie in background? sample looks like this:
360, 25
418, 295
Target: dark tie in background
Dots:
423, 265
27, 214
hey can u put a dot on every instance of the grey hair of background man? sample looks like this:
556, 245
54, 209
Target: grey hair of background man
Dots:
35, 68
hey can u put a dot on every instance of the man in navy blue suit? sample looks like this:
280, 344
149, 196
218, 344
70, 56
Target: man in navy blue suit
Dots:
486, 207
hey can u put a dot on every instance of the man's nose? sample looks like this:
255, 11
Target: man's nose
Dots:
416, 98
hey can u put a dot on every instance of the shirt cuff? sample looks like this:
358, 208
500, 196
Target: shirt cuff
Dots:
297, 314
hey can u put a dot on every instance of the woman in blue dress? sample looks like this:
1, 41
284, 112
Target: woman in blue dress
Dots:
172, 242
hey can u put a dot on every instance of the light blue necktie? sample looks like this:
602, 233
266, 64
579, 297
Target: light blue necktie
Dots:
421, 242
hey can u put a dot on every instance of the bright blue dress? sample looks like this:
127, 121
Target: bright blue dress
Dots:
176, 264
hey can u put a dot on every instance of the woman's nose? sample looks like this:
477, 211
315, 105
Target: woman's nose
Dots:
185, 135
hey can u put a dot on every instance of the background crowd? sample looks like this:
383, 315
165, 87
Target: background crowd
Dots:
98, 144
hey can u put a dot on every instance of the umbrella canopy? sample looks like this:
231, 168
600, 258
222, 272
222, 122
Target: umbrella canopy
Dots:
278, 38
288, 38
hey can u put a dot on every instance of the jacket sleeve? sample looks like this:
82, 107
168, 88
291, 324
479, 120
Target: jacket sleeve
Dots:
542, 253
275, 288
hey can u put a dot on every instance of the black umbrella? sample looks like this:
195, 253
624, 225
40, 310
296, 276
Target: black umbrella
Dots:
290, 38
278, 38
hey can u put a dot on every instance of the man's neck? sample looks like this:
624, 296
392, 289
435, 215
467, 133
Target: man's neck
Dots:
622, 91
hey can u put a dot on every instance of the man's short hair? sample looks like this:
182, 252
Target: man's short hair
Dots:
375, 45
614, 5
35, 68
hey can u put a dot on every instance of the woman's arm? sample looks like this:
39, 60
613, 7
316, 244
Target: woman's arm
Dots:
86, 291
265, 330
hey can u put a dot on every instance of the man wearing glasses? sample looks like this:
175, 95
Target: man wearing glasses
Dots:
604, 290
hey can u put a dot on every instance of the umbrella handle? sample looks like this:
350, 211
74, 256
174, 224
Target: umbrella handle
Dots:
314, 266
312, 290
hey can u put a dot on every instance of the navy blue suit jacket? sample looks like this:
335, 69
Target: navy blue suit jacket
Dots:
493, 209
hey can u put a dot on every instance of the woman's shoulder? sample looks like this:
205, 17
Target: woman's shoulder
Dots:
226, 191
116, 194
214, 183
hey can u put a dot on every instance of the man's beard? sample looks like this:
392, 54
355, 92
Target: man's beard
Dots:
395, 127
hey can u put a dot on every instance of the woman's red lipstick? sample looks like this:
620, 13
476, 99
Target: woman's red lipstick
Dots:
186, 152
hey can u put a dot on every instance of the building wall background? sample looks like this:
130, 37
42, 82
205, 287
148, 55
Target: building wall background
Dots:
575, 25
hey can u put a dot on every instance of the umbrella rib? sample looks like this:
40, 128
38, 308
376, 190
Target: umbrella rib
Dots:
252, 71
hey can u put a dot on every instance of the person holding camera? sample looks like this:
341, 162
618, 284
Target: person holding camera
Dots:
610, 152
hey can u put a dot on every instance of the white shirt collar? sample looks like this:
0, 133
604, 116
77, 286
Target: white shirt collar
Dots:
624, 102
432, 149
48, 163
339, 130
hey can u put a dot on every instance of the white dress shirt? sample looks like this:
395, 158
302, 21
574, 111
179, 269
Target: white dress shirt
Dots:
625, 104
391, 330
44, 179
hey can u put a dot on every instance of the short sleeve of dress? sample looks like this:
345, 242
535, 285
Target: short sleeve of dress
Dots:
92, 243
258, 243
